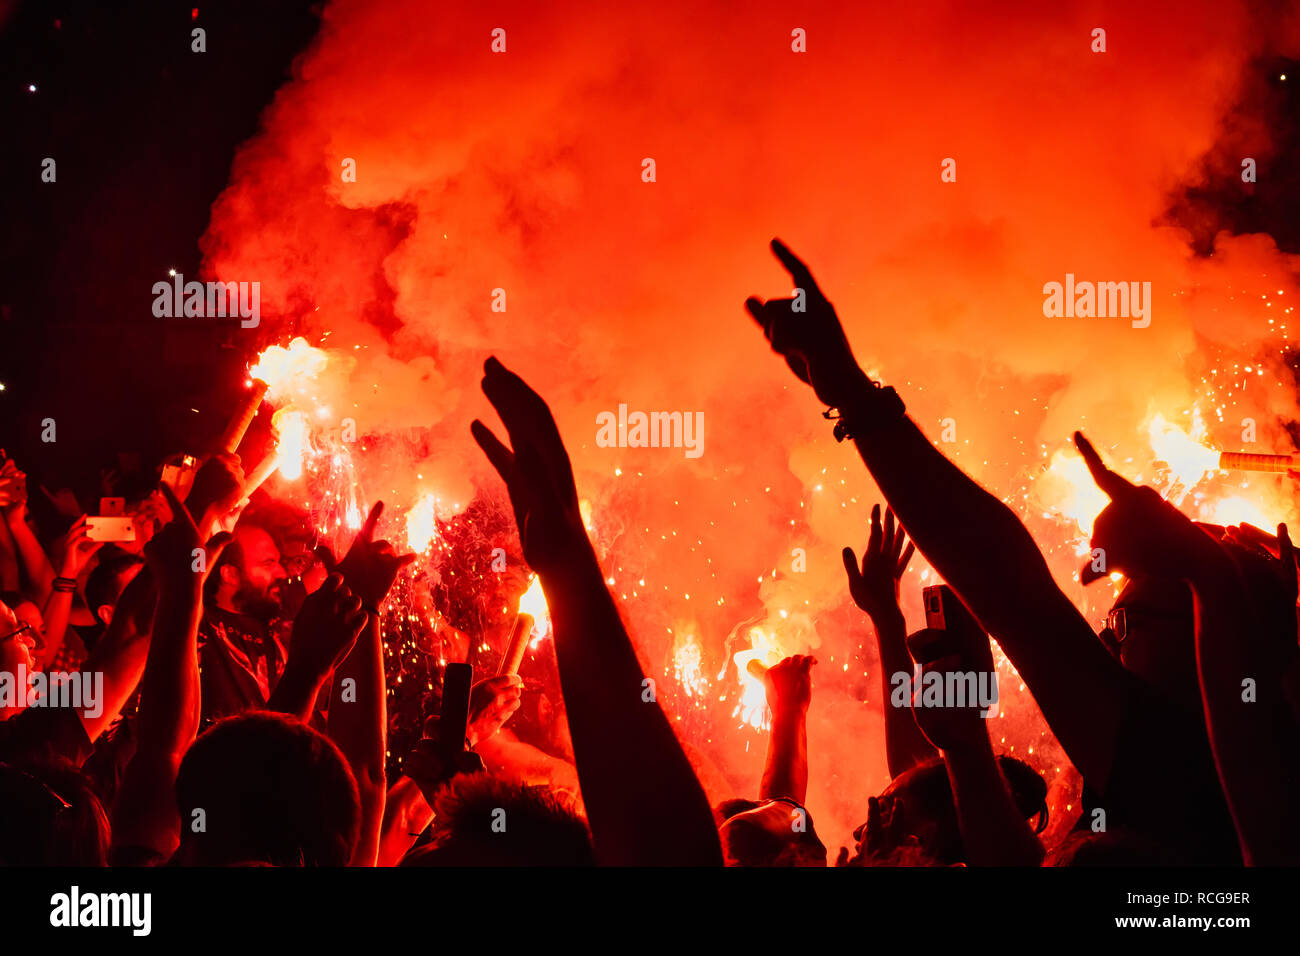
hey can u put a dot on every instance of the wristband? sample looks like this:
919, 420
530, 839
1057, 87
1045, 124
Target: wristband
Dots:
882, 407
65, 585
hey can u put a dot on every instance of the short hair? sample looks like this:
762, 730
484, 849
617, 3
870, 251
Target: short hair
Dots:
539, 827
233, 553
272, 790
930, 793
104, 584
52, 816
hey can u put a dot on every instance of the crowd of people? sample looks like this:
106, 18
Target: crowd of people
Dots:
226, 698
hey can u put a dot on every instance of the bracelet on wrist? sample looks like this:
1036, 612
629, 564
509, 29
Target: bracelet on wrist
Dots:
878, 407
65, 585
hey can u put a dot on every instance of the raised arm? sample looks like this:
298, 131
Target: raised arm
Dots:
644, 804
145, 814
40, 573
358, 720
1245, 640
324, 631
77, 552
789, 692
874, 588
993, 830
957, 525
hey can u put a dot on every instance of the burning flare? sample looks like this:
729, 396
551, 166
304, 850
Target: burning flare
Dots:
421, 524
292, 443
533, 601
752, 708
288, 371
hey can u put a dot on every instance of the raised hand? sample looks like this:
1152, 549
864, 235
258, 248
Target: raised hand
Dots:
811, 340
217, 492
874, 586
77, 549
370, 567
64, 501
962, 648
536, 470
491, 703
1139, 532
177, 554
327, 625
789, 683
13, 488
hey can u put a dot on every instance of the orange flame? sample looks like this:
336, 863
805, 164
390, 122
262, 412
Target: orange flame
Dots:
1184, 453
688, 666
533, 601
421, 526
292, 442
752, 708
288, 370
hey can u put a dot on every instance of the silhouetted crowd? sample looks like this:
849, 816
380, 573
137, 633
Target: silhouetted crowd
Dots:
191, 682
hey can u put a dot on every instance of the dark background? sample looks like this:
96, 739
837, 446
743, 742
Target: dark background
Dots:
143, 131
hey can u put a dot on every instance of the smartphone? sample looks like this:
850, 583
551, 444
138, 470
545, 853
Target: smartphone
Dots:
180, 478
943, 612
109, 528
112, 507
453, 721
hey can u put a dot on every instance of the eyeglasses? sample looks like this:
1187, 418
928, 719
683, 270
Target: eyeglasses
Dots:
21, 630
1118, 618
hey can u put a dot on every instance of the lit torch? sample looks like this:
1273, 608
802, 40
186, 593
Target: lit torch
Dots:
1249, 461
243, 417
533, 616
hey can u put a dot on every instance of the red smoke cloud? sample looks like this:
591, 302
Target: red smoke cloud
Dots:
521, 171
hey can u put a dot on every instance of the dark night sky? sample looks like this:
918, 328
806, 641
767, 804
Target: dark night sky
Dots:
143, 131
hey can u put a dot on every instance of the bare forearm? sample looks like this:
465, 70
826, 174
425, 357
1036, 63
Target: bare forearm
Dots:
406, 814
40, 572
169, 689
785, 773
357, 723
957, 525
297, 692
618, 731
120, 655
57, 610
993, 831
905, 745
8, 559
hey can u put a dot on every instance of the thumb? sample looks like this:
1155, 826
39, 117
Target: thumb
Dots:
216, 544
851, 566
326, 557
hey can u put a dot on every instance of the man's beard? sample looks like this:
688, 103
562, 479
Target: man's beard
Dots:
257, 604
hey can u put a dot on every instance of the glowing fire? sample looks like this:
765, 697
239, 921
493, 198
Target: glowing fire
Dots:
421, 526
1236, 510
533, 601
288, 371
1073, 493
752, 708
688, 667
1184, 453
292, 442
